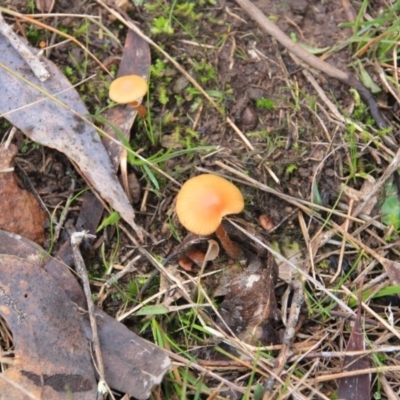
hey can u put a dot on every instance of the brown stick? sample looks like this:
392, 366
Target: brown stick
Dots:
312, 60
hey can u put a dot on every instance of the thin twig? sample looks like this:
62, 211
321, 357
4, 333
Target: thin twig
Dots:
58, 226
19, 387
10, 138
76, 239
130, 267
289, 335
342, 248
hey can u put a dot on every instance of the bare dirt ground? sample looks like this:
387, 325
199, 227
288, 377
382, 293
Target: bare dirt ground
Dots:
294, 143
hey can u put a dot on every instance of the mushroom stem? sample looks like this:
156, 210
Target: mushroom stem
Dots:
140, 108
232, 249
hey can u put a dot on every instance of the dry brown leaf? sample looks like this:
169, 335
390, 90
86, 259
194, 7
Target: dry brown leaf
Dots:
356, 387
360, 195
132, 365
52, 361
292, 255
21, 212
174, 294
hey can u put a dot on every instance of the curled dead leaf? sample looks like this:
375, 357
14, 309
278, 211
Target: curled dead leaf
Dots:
21, 211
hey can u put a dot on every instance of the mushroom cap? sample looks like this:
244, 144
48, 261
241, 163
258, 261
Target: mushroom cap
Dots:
204, 200
127, 89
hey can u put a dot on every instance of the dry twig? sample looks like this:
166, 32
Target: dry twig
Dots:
289, 335
76, 239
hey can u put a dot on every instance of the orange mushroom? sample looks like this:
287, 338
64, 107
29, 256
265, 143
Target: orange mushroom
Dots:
201, 204
129, 89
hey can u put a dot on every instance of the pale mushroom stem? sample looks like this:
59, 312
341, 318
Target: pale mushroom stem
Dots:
232, 249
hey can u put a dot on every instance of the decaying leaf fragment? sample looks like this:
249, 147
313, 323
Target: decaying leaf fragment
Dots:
357, 387
45, 5
21, 212
52, 362
249, 307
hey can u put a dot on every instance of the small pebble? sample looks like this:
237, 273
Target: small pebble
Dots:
266, 222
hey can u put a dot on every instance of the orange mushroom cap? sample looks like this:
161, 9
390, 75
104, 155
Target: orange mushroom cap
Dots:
204, 200
127, 89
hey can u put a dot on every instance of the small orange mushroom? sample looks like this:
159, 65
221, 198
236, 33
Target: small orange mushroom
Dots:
201, 204
129, 89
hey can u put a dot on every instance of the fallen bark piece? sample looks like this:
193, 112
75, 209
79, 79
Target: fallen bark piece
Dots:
52, 359
132, 365
21, 211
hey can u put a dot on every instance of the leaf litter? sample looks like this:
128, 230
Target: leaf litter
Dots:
52, 113
128, 359
44, 111
297, 261
44, 323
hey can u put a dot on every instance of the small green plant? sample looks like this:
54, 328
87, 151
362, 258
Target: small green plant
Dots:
291, 168
267, 104
33, 34
31, 6
159, 81
157, 69
162, 25
376, 36
113, 218
370, 294
109, 259
29, 145
152, 166
205, 72
390, 208
163, 95
68, 71
132, 289
187, 11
